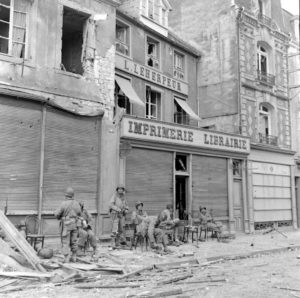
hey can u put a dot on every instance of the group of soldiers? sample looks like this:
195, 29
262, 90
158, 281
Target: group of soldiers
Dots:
76, 230
153, 227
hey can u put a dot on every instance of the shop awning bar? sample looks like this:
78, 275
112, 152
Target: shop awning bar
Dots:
129, 91
187, 109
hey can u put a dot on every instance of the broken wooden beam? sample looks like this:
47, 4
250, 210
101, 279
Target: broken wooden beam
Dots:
165, 293
101, 286
179, 263
136, 272
16, 274
175, 279
20, 242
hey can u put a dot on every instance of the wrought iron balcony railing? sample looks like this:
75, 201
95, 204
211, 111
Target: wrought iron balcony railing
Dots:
265, 78
267, 139
267, 21
181, 118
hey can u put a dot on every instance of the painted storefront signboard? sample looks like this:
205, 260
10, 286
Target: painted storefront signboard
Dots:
151, 75
175, 134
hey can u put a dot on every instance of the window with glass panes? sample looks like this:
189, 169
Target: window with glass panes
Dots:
153, 99
13, 27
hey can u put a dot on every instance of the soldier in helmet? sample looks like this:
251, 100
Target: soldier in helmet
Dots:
69, 214
165, 221
118, 208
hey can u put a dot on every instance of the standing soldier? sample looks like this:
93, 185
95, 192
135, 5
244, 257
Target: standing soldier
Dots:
118, 209
69, 214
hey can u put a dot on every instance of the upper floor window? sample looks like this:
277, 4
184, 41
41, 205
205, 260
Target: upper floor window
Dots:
267, 125
179, 66
153, 104
264, 65
262, 58
73, 35
122, 38
157, 10
264, 120
14, 27
121, 100
180, 115
152, 55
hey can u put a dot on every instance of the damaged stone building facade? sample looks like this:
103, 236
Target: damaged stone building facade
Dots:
56, 94
243, 88
165, 157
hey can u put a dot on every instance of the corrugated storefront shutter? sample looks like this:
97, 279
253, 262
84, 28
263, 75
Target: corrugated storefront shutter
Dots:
20, 137
71, 158
210, 185
149, 179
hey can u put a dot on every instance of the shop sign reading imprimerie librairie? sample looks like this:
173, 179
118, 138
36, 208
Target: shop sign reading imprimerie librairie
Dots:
151, 75
154, 131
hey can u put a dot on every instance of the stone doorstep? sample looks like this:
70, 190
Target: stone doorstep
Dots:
254, 253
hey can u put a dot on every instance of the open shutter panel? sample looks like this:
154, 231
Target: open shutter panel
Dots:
149, 179
20, 136
71, 158
210, 185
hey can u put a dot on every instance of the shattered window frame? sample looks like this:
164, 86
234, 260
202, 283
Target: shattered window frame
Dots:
152, 52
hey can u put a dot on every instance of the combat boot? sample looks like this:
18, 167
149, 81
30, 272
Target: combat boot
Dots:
154, 245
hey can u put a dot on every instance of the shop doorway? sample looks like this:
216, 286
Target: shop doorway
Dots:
181, 197
238, 205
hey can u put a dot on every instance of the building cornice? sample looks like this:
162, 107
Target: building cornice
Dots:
263, 147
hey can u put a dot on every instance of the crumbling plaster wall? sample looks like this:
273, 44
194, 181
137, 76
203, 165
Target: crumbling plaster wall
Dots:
211, 26
41, 72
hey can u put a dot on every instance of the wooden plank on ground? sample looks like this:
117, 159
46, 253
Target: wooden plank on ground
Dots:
20, 242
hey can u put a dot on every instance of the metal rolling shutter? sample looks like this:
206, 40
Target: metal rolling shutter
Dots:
272, 193
71, 158
210, 185
149, 179
20, 129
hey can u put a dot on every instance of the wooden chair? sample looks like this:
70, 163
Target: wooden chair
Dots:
135, 237
32, 231
206, 230
191, 227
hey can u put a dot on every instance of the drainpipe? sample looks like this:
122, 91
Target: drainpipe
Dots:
197, 85
238, 19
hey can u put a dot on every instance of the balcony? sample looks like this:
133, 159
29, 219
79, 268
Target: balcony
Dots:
268, 139
267, 21
265, 78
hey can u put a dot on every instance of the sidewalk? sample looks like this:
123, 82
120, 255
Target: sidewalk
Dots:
209, 250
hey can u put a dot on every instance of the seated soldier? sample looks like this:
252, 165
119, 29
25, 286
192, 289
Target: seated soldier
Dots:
165, 221
145, 225
139, 214
155, 234
206, 220
86, 235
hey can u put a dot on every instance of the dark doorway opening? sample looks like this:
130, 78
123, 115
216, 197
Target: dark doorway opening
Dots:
181, 197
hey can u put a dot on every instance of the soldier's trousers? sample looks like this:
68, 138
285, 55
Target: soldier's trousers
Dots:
69, 241
118, 227
156, 235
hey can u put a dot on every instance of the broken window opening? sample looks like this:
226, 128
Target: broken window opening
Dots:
72, 40
13, 27
152, 53
181, 163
